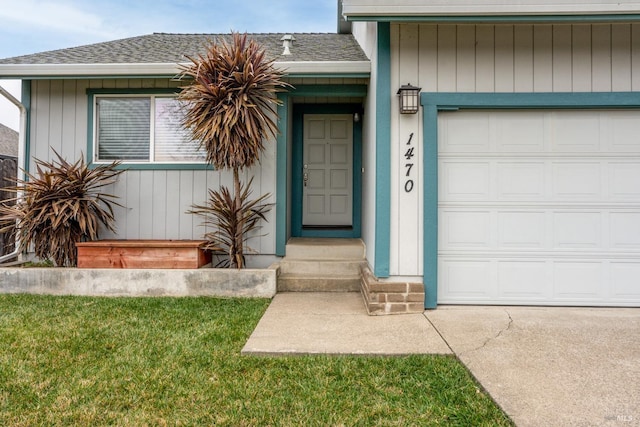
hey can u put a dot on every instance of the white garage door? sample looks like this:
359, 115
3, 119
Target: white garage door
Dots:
539, 207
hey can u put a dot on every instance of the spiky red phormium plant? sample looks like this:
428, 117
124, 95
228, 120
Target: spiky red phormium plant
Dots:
230, 108
61, 204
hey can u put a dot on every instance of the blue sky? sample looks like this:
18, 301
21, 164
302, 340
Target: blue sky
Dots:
30, 26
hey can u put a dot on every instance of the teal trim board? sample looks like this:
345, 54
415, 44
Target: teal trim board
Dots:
430, 208
281, 175
434, 102
383, 153
145, 91
297, 229
284, 141
346, 91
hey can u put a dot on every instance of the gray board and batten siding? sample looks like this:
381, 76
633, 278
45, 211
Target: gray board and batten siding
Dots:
156, 201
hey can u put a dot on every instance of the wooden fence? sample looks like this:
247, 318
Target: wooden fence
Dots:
8, 174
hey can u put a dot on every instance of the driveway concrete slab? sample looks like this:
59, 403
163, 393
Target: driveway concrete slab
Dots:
551, 366
338, 323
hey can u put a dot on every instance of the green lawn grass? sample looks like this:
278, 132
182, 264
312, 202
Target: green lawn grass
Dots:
176, 361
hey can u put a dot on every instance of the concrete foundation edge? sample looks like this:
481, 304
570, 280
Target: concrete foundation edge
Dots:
140, 282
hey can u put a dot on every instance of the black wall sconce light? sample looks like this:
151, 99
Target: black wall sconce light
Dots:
409, 99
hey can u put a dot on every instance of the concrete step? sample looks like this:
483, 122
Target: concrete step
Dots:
316, 267
325, 283
325, 249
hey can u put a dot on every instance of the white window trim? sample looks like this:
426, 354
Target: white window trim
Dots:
152, 105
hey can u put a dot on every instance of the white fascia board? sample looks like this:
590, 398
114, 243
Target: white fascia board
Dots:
374, 8
86, 70
26, 71
324, 67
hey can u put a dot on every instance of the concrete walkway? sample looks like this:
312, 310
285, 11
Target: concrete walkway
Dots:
545, 366
338, 323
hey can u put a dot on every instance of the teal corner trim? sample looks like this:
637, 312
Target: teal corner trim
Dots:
25, 99
281, 174
430, 208
434, 102
383, 153
299, 111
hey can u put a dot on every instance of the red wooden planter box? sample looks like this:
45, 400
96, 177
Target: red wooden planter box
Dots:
142, 254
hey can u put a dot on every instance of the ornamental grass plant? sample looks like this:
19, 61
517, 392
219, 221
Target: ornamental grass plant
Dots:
231, 222
61, 204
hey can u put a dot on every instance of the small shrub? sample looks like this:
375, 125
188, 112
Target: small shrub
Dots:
60, 205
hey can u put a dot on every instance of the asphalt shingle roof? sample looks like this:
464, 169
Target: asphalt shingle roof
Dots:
172, 48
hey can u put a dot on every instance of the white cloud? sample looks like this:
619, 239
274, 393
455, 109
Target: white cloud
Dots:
55, 16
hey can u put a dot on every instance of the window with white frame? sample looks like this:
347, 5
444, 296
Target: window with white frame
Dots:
142, 129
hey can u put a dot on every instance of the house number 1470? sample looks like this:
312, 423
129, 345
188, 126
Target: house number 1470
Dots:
408, 155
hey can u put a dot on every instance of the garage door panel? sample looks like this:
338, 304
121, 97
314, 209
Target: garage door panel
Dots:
575, 280
466, 229
625, 231
624, 181
551, 217
521, 229
464, 134
577, 180
550, 231
577, 230
575, 131
539, 281
624, 131
463, 278
521, 181
625, 283
519, 132
524, 279
549, 180
465, 180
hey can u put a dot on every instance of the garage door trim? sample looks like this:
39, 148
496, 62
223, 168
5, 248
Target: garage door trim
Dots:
433, 102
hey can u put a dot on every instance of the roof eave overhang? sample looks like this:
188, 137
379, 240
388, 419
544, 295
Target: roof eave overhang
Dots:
497, 19
491, 11
164, 70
